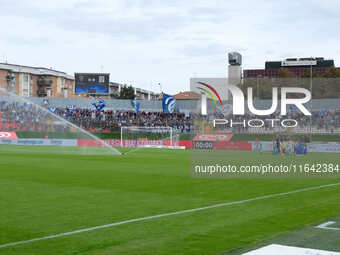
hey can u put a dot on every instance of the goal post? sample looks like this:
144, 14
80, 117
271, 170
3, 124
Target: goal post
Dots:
149, 137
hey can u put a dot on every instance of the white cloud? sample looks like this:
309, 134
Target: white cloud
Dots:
149, 41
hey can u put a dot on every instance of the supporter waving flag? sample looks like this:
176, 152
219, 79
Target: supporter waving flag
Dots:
72, 108
135, 105
168, 103
53, 109
100, 105
46, 102
324, 111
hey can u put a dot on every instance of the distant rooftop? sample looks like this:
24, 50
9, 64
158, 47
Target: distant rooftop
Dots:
34, 70
187, 95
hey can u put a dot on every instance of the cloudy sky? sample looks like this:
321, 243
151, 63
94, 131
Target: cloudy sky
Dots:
144, 42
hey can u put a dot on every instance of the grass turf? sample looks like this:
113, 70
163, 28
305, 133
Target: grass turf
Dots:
305, 237
45, 192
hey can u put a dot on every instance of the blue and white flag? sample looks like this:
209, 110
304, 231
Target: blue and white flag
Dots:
72, 108
135, 105
46, 102
168, 103
100, 105
324, 111
53, 109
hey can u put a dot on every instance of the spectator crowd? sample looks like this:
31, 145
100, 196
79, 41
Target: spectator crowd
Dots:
29, 117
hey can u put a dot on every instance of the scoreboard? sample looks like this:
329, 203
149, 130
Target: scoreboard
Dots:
92, 83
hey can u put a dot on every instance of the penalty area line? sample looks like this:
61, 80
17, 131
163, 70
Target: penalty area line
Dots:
166, 214
326, 226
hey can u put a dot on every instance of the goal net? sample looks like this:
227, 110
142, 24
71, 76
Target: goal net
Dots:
149, 137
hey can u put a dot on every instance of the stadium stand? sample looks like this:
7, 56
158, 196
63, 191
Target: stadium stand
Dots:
23, 117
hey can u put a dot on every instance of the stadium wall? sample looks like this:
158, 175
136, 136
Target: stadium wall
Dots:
156, 105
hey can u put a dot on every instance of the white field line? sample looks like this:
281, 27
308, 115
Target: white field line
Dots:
127, 152
326, 226
166, 214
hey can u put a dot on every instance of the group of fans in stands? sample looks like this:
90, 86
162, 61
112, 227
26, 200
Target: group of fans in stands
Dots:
111, 121
28, 117
24, 116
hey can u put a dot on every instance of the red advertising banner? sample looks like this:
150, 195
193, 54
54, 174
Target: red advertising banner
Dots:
89, 143
186, 143
131, 143
217, 145
8, 135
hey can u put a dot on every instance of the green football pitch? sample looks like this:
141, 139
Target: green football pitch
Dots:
46, 196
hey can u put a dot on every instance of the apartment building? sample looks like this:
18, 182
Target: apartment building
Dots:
29, 81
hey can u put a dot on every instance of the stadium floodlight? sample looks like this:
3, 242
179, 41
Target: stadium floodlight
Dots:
149, 137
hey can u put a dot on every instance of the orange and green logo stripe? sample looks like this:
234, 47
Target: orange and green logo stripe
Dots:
210, 92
